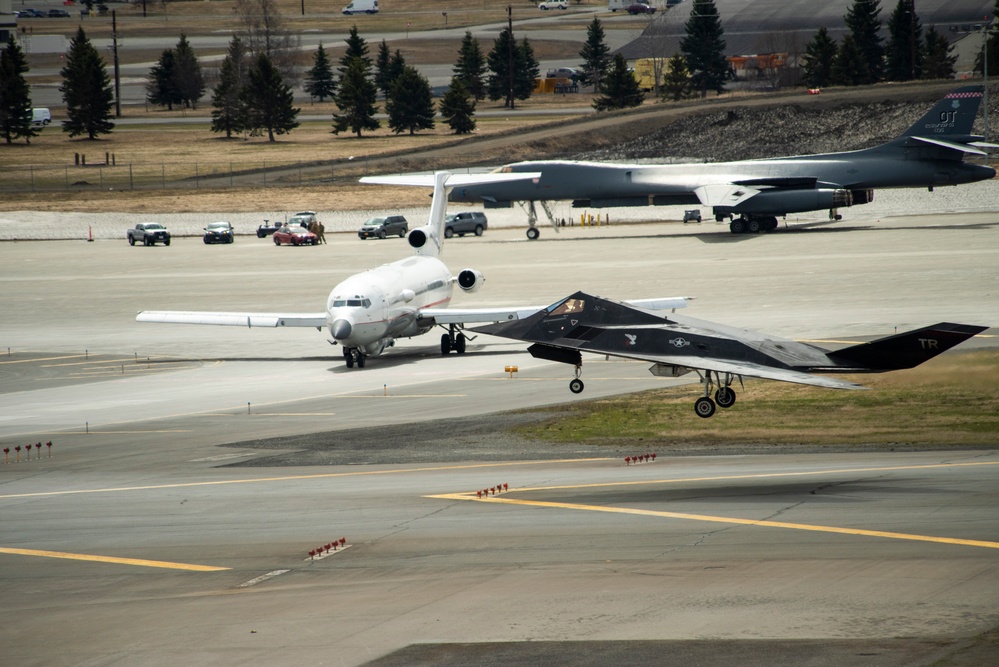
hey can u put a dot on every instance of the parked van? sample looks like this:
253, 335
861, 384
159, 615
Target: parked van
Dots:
361, 7
615, 5
41, 116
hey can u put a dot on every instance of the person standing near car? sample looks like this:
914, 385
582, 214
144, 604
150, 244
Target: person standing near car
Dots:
321, 231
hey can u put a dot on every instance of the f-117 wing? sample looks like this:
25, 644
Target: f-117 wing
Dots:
317, 320
509, 314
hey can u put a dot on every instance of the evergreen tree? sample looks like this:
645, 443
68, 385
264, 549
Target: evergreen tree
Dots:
704, 48
676, 81
595, 54
904, 55
619, 89
471, 67
161, 87
355, 97
268, 100
393, 69
229, 114
864, 21
15, 95
818, 60
518, 84
356, 48
410, 106
86, 90
527, 72
849, 67
319, 80
187, 78
938, 63
458, 107
993, 48
500, 80
382, 68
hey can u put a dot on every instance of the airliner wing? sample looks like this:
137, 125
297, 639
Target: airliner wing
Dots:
317, 320
481, 315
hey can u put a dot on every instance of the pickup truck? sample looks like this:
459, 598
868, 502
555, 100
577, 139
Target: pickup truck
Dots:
148, 233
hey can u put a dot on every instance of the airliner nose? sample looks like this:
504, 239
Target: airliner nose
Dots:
340, 329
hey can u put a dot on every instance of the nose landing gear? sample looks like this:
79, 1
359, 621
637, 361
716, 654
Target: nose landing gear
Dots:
352, 355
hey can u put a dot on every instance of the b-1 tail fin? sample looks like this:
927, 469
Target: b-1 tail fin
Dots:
906, 350
954, 115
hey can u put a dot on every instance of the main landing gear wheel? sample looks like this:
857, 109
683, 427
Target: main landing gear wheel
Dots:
445, 344
533, 233
724, 397
704, 407
576, 386
737, 226
754, 226
459, 343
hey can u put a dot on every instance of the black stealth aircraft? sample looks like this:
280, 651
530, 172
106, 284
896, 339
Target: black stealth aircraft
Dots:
717, 353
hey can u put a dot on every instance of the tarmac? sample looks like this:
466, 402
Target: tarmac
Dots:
172, 519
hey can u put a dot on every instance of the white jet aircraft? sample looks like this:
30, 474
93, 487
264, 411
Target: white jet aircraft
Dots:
368, 311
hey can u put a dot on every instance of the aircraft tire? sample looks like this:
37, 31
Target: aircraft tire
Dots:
737, 226
445, 345
754, 226
459, 343
576, 386
772, 224
361, 359
348, 357
725, 397
533, 233
704, 407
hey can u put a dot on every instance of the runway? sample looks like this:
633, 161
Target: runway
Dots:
134, 541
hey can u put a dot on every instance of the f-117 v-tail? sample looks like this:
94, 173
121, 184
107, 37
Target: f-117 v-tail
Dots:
904, 350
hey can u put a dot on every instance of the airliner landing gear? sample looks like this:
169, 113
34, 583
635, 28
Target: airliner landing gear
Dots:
453, 340
354, 356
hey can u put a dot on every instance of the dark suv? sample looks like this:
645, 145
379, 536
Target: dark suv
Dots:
382, 227
468, 222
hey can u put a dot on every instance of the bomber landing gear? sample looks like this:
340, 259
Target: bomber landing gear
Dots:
532, 218
753, 224
453, 340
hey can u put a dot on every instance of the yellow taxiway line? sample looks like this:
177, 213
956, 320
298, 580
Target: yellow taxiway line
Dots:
112, 559
763, 523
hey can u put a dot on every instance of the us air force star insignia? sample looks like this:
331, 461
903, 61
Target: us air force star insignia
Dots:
631, 339
679, 342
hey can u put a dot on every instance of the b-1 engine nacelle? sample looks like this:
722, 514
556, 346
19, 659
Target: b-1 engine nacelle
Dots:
782, 202
470, 280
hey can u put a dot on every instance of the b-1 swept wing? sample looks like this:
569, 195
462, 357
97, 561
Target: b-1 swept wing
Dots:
754, 193
369, 311
719, 354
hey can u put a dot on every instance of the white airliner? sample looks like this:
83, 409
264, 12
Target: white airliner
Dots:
368, 311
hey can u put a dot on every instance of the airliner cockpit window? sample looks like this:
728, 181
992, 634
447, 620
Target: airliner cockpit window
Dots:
569, 307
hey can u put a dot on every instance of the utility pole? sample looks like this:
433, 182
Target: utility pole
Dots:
509, 23
912, 39
117, 73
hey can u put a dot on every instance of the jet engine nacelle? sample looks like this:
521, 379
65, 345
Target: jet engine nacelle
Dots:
470, 280
419, 237
780, 202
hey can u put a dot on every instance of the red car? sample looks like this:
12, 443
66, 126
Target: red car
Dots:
295, 235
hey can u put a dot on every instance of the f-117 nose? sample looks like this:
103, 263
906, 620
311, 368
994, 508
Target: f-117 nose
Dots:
340, 329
